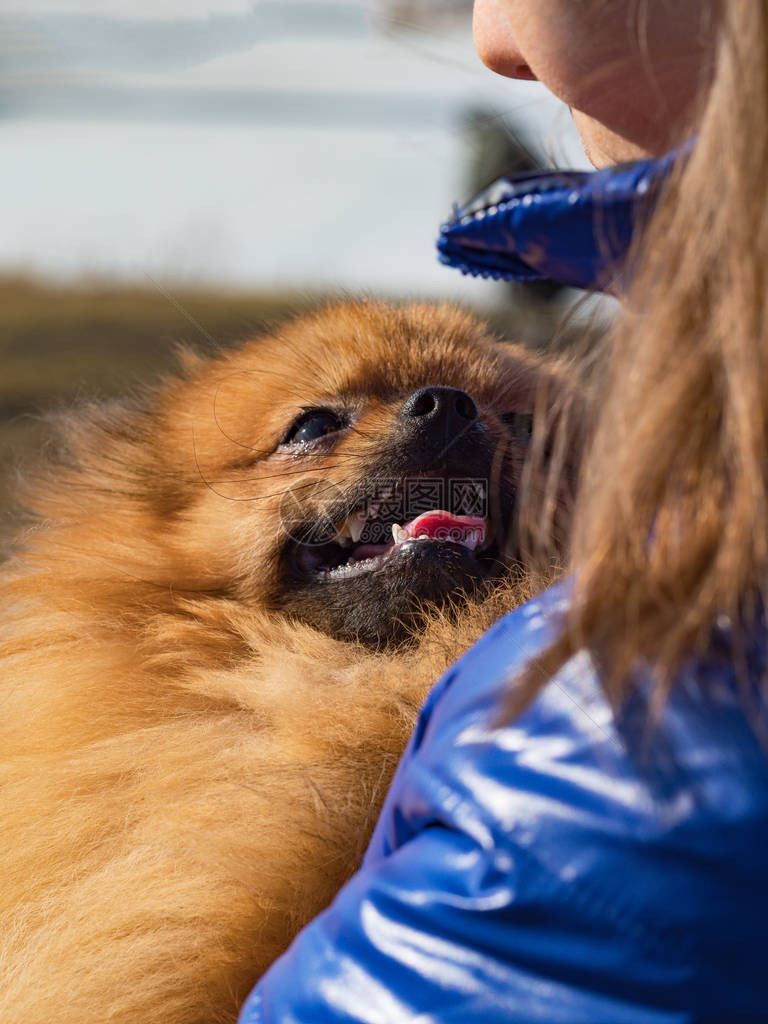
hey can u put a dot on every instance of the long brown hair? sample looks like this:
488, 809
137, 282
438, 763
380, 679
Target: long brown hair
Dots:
672, 519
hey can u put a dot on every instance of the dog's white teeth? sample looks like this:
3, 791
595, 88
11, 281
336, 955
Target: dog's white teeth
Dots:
356, 526
350, 531
343, 535
398, 533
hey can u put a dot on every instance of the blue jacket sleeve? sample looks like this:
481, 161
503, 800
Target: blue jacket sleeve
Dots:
550, 869
443, 932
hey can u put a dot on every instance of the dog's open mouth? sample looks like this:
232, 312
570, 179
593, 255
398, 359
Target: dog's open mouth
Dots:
373, 565
370, 537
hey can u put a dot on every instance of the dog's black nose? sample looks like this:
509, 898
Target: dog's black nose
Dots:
443, 413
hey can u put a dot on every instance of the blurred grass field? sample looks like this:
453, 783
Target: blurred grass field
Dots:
60, 345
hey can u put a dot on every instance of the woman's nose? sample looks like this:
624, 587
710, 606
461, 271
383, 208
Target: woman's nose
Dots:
495, 43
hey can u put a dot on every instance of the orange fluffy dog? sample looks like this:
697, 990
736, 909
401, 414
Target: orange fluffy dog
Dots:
217, 634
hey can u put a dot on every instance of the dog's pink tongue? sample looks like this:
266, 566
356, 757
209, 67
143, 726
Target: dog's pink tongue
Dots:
440, 525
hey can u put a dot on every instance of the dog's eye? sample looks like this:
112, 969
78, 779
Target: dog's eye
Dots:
312, 425
520, 424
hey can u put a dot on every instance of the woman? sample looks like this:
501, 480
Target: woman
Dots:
568, 843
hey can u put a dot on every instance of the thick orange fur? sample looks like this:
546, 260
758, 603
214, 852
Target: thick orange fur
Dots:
188, 776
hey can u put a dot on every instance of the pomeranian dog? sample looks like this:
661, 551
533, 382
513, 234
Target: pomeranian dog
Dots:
233, 597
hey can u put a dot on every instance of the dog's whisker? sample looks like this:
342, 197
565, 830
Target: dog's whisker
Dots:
223, 431
337, 457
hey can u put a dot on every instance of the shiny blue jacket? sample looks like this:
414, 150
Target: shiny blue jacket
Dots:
573, 227
572, 867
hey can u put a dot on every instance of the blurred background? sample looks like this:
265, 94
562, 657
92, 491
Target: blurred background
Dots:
200, 168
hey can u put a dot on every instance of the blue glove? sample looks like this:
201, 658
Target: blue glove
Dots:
572, 227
